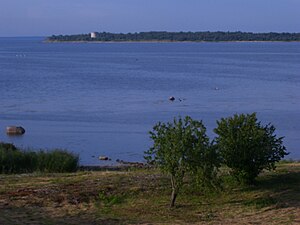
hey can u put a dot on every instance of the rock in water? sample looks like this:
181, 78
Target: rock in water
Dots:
172, 98
13, 130
103, 158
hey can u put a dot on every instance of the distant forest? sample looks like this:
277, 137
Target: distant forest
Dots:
162, 36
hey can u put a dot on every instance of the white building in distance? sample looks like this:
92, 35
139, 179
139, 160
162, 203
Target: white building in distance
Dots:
93, 35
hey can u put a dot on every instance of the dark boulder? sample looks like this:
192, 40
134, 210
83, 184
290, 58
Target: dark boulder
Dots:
172, 98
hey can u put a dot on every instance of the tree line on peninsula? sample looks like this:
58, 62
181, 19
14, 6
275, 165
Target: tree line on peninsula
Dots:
207, 36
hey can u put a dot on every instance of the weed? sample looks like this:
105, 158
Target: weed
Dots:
109, 200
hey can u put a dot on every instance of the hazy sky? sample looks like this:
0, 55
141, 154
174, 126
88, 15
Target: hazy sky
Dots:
46, 17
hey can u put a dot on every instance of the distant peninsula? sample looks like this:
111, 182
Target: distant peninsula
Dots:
163, 36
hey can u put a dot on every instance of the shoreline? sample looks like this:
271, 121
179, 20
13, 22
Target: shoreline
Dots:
118, 167
154, 41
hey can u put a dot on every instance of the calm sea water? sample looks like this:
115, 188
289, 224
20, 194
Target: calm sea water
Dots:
102, 99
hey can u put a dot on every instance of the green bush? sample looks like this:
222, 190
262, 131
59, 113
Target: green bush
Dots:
57, 161
7, 146
13, 160
182, 147
247, 147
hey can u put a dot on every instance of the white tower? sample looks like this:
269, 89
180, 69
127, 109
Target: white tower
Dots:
93, 35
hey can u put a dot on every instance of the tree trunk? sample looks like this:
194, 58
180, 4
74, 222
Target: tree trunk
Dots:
173, 198
174, 192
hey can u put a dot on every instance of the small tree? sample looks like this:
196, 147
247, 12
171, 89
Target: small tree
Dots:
179, 148
247, 147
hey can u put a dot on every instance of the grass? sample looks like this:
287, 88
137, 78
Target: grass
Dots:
142, 196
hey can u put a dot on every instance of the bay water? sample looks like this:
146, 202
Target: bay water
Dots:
103, 98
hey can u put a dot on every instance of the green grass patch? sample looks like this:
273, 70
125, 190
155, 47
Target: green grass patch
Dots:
109, 200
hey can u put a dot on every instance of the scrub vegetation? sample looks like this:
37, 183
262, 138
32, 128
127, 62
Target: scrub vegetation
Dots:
247, 147
14, 160
181, 149
242, 145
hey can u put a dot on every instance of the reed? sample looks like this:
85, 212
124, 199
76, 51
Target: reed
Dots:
14, 160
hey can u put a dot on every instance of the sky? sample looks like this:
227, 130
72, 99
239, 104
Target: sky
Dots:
47, 17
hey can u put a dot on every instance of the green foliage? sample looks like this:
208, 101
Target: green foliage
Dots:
180, 36
247, 147
206, 172
13, 160
57, 161
182, 147
7, 146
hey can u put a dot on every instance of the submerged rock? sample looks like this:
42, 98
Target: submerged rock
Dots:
13, 130
103, 158
134, 164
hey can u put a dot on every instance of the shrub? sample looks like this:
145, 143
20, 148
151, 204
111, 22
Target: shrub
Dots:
13, 160
179, 148
57, 161
7, 146
247, 147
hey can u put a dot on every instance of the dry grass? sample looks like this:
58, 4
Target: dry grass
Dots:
142, 197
